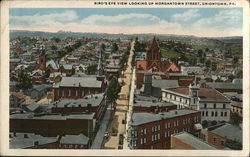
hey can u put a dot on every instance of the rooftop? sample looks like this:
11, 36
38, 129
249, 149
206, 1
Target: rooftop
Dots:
74, 139
150, 103
193, 141
94, 100
52, 116
80, 82
205, 94
143, 118
229, 131
222, 85
27, 140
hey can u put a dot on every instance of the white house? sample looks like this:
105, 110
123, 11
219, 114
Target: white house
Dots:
214, 106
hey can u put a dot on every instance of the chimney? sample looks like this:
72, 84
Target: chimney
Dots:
25, 136
176, 112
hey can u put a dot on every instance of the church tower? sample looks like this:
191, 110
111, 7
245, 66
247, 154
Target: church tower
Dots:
42, 59
154, 57
100, 70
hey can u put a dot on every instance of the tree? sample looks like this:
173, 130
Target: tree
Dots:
114, 48
113, 90
233, 144
208, 63
202, 60
235, 119
92, 69
53, 47
200, 53
24, 81
214, 66
103, 47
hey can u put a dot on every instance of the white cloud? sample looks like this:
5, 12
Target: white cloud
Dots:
186, 16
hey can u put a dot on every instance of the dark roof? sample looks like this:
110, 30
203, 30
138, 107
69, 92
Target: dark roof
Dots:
94, 100
229, 131
138, 97
74, 139
165, 83
52, 116
193, 141
205, 94
20, 142
237, 104
143, 118
41, 87
222, 85
150, 103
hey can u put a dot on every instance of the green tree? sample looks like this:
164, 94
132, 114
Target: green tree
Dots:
92, 69
24, 81
103, 47
200, 53
114, 48
202, 60
208, 63
214, 66
234, 144
53, 47
113, 90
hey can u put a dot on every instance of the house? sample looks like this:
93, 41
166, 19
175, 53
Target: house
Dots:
153, 131
223, 136
74, 142
186, 141
13, 86
38, 108
235, 86
38, 77
236, 107
68, 69
31, 141
77, 87
214, 106
16, 100
39, 91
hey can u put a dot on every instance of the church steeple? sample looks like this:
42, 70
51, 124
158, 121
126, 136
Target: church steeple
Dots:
42, 58
154, 56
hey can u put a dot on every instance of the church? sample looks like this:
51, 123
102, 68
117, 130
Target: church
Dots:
154, 65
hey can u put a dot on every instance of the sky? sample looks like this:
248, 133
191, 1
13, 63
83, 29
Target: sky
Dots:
204, 22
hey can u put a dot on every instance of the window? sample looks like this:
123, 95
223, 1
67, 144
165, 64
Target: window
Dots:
141, 141
155, 128
76, 93
202, 113
206, 113
145, 131
214, 139
145, 140
69, 92
165, 134
205, 105
141, 131
225, 114
169, 133
194, 101
212, 114
215, 113
221, 114
180, 99
174, 123
159, 127
184, 121
169, 125
214, 105
177, 123
222, 143
166, 125
224, 106
152, 129
152, 137
62, 92
189, 120
155, 137
159, 136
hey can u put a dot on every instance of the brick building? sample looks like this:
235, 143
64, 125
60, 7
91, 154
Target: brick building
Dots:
153, 131
184, 140
76, 88
154, 64
91, 103
214, 106
53, 124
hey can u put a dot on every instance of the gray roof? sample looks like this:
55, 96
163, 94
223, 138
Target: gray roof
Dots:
150, 103
16, 60
237, 104
20, 142
41, 87
144, 98
12, 83
67, 66
193, 141
229, 131
74, 139
165, 83
237, 81
222, 85
142, 118
82, 81
52, 116
94, 100
52, 63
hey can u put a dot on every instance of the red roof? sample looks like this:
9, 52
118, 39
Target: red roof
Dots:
204, 93
141, 65
19, 95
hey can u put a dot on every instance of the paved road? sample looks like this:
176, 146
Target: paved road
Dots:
97, 143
